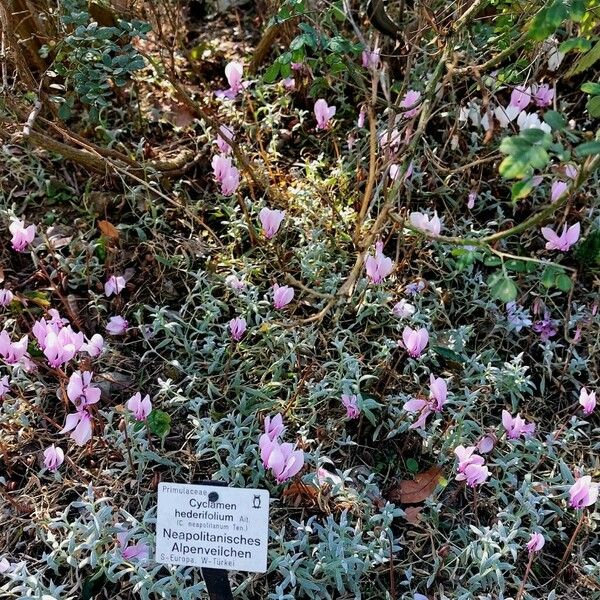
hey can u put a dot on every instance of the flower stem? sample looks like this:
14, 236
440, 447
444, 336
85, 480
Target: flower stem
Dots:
525, 577
570, 545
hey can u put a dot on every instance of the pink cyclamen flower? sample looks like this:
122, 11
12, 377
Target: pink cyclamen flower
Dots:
567, 238
12, 352
283, 459
421, 406
234, 72
80, 426
390, 140
371, 58
536, 543
114, 285
520, 97
394, 172
403, 309
471, 200
350, 403
415, 340
4, 386
237, 327
138, 551
282, 296
60, 346
140, 407
571, 171
361, 118
409, 102
94, 345
274, 427
471, 466
235, 283
423, 222
230, 182
53, 458
438, 392
558, 189
225, 174
543, 95
80, 390
486, 443
271, 221
516, 426
21, 236
583, 492
587, 401
378, 266
117, 325
225, 134
323, 113
6, 297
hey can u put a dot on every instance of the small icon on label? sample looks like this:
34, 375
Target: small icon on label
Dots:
256, 502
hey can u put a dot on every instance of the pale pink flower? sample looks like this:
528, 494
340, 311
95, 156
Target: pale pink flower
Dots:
5, 566
80, 426
421, 406
471, 199
361, 118
271, 221
114, 285
415, 340
527, 120
471, 466
371, 58
543, 95
274, 427
378, 266
438, 392
237, 327
587, 401
516, 426
94, 345
390, 140
6, 297
410, 102
476, 474
53, 458
4, 386
21, 236
583, 492
403, 309
233, 72
486, 443
571, 171
423, 222
409, 171
60, 346
323, 113
394, 172
12, 352
282, 296
558, 189
235, 283
520, 97
283, 459
138, 551
225, 134
140, 407
505, 116
350, 403
117, 325
80, 390
231, 182
536, 543
567, 238
221, 165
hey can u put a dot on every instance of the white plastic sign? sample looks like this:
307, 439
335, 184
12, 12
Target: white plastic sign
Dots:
212, 527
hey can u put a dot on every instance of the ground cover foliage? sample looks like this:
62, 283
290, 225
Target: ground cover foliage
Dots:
285, 246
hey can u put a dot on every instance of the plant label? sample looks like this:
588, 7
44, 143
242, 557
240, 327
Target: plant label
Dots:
212, 527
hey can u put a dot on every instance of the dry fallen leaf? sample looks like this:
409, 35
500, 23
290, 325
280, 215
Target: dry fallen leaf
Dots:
413, 491
108, 229
413, 514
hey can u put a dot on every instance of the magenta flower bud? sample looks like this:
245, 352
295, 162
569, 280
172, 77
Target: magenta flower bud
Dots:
271, 221
587, 401
117, 325
21, 236
583, 492
415, 340
237, 327
140, 408
350, 402
53, 458
323, 114
6, 297
282, 296
536, 543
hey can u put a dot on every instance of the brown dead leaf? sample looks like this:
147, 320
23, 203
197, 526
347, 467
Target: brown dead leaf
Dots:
413, 514
108, 229
413, 491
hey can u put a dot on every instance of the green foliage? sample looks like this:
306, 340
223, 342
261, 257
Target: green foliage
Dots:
502, 287
588, 250
159, 423
525, 152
